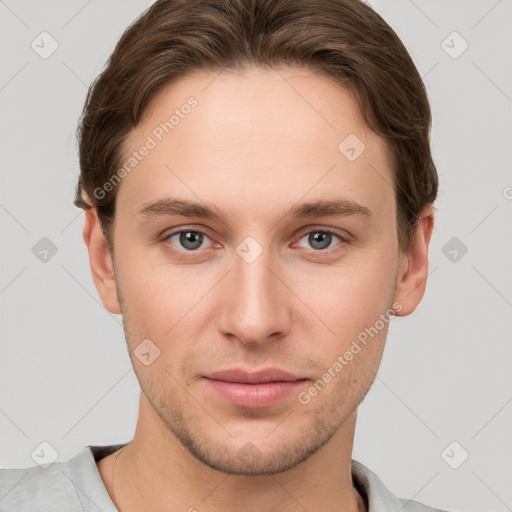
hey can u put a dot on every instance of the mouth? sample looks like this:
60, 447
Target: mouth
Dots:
254, 390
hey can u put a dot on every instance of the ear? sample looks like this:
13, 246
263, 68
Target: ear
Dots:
413, 266
100, 260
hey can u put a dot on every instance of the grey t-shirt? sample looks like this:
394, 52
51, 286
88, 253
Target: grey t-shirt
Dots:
76, 486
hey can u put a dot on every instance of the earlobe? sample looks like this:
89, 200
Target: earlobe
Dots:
413, 272
100, 261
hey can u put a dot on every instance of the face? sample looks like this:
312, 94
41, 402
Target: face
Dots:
250, 278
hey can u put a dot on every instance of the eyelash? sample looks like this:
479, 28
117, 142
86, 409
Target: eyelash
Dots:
343, 240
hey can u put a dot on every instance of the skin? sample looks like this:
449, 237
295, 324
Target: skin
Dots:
253, 147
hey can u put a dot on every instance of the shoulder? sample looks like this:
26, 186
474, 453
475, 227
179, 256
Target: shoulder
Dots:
74, 485
36, 488
378, 497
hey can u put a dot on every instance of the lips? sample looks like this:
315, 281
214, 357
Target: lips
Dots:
254, 389
259, 377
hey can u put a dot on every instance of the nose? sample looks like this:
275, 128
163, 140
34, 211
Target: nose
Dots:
254, 302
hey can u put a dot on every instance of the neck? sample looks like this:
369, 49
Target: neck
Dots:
156, 472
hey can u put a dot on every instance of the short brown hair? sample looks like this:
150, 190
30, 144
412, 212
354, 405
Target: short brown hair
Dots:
345, 40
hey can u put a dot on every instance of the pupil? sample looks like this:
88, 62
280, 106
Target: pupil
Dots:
321, 238
190, 240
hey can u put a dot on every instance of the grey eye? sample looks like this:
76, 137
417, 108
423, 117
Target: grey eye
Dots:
190, 240
320, 240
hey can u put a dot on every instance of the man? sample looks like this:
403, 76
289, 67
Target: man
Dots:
258, 193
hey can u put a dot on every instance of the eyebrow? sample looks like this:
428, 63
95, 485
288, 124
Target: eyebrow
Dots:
169, 207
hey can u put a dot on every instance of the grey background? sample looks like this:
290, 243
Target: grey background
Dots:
65, 373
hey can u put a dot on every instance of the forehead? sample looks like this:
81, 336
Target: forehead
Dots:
287, 101
255, 132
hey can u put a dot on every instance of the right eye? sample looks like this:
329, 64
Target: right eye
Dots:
188, 240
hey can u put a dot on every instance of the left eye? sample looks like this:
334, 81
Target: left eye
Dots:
321, 240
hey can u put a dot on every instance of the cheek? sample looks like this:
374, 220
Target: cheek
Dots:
352, 296
348, 305
165, 303
148, 287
